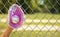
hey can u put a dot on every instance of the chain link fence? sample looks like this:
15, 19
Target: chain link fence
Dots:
42, 18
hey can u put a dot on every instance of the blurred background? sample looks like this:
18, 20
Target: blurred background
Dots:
42, 18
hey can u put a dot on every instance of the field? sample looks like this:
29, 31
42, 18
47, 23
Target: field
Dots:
32, 33
24, 33
39, 16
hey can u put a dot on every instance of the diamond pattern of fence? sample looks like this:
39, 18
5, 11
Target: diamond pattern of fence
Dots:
42, 18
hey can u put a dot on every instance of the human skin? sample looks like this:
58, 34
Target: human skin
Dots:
7, 32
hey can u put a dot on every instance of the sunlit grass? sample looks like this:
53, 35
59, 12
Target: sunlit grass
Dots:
35, 34
42, 24
30, 33
3, 25
3, 16
39, 16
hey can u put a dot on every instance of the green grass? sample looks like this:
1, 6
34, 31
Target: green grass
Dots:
3, 16
41, 24
35, 34
4, 25
1, 32
39, 16
24, 33
43, 16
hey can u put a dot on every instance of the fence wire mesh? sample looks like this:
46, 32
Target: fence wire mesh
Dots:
42, 18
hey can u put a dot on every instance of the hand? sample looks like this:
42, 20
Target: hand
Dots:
7, 32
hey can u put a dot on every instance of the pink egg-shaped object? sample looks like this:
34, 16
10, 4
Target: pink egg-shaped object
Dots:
15, 16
